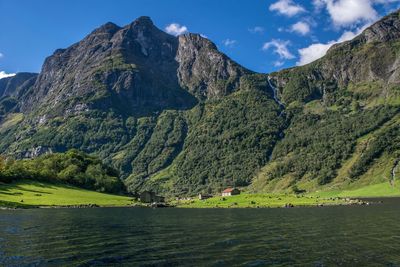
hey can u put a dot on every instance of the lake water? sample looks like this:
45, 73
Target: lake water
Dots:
328, 236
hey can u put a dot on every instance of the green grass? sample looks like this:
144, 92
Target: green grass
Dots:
32, 193
259, 201
374, 190
11, 120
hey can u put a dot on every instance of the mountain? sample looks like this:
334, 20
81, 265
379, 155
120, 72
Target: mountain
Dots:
11, 88
175, 115
343, 111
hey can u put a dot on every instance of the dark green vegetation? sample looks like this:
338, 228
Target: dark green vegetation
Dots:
73, 168
176, 116
315, 145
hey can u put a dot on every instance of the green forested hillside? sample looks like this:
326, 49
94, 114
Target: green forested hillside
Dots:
175, 115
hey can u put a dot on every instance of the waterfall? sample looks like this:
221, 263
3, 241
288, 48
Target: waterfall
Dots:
275, 91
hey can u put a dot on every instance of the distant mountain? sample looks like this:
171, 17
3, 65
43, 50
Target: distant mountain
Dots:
175, 115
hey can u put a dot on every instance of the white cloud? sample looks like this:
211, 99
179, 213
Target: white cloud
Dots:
319, 4
287, 8
280, 47
3, 74
176, 29
318, 50
256, 29
300, 27
1, 55
385, 1
313, 52
278, 63
348, 12
229, 42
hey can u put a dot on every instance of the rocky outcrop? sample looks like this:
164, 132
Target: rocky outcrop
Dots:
204, 71
12, 86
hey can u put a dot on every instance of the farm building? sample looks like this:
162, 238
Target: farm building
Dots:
204, 196
150, 197
230, 192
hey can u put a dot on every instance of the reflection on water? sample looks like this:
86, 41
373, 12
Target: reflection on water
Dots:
347, 236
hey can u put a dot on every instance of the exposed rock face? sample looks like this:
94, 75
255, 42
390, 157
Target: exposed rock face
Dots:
130, 68
12, 86
203, 70
137, 69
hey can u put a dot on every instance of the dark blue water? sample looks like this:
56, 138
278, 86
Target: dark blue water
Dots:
329, 236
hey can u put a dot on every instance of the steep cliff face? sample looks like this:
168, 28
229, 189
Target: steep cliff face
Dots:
132, 69
204, 71
14, 86
11, 89
137, 69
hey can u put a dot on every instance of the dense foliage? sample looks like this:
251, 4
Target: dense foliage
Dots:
228, 140
73, 167
316, 145
388, 140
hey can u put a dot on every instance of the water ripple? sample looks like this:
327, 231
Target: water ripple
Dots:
332, 236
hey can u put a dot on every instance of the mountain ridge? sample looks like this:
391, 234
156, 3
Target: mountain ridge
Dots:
175, 115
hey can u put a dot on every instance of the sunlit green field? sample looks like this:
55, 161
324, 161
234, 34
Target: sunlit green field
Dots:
259, 200
375, 190
31, 193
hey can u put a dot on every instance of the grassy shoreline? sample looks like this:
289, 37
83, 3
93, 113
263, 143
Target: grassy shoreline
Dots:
245, 200
32, 194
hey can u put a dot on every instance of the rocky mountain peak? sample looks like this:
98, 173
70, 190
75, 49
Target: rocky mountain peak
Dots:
203, 70
385, 30
139, 65
108, 27
196, 42
143, 21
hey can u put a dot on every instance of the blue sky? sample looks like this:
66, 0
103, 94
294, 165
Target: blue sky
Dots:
262, 35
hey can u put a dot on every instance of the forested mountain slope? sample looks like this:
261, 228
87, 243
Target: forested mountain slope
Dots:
175, 115
343, 111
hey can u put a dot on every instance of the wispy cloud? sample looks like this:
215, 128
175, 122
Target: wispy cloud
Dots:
257, 29
287, 8
3, 74
1, 55
301, 27
279, 63
176, 29
229, 42
279, 47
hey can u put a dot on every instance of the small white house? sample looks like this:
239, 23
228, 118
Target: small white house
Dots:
230, 192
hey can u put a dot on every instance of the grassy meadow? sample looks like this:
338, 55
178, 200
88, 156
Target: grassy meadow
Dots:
33, 193
245, 200
375, 190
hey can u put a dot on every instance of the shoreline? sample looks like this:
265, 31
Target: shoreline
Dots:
352, 202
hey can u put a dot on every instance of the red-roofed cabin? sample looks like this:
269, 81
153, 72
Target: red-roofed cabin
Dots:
230, 192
